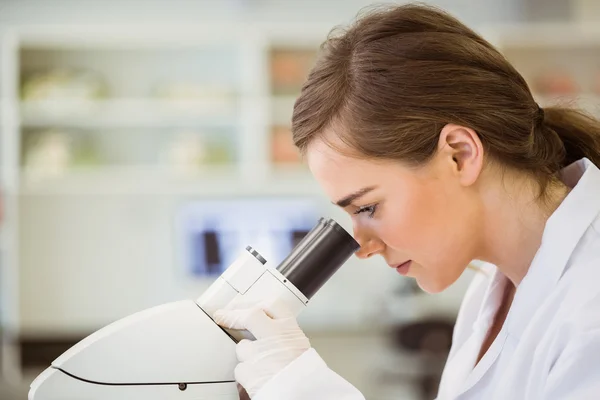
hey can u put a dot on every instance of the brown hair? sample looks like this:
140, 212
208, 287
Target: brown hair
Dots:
395, 77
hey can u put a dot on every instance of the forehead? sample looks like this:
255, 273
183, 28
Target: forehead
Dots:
340, 174
330, 162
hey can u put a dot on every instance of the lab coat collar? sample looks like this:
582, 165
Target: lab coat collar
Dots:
563, 231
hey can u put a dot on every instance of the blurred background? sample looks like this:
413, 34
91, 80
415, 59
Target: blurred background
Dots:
144, 143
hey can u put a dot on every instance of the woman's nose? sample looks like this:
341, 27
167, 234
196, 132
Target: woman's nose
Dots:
369, 245
370, 248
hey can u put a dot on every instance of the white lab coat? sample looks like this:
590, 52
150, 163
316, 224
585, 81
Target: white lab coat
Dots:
549, 345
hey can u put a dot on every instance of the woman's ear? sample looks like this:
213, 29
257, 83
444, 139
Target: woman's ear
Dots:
462, 150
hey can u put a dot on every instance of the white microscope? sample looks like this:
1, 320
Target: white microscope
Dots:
176, 351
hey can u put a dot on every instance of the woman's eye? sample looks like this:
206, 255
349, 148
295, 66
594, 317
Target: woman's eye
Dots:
368, 209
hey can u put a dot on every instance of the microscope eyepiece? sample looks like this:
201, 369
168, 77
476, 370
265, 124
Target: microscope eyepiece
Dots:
318, 256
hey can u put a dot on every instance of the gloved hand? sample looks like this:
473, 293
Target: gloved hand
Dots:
279, 341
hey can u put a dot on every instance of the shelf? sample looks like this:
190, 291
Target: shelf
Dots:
211, 181
144, 112
128, 112
117, 36
120, 179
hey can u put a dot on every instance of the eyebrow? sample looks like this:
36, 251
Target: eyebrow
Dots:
346, 201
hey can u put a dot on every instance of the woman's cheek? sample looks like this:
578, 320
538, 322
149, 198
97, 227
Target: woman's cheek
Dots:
395, 228
417, 223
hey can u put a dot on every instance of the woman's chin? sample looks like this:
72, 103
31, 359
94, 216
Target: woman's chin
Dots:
432, 286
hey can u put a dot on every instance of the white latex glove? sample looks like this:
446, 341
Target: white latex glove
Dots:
279, 341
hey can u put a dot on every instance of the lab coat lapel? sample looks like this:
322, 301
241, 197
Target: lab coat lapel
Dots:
490, 305
460, 367
462, 372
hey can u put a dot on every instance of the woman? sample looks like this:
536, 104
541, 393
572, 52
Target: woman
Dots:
432, 142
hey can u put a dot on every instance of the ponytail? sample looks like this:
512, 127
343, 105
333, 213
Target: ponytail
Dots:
578, 132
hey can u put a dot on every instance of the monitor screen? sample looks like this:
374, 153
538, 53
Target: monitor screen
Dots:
215, 232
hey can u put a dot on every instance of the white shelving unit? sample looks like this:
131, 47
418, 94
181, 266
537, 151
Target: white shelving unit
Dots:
130, 57
127, 113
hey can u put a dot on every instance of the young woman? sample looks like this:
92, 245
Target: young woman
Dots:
433, 144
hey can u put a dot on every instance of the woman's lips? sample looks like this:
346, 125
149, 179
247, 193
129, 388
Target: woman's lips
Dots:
404, 267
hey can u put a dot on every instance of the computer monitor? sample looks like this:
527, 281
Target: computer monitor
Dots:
215, 232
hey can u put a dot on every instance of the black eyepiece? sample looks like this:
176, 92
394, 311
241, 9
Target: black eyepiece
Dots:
318, 256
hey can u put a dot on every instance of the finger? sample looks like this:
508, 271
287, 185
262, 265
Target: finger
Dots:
243, 374
254, 320
258, 323
245, 350
277, 309
232, 319
240, 303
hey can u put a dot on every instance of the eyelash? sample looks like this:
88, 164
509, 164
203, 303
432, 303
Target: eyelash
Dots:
370, 209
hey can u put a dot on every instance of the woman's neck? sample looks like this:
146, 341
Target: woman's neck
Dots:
513, 224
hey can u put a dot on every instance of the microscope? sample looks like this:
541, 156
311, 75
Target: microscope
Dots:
176, 351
